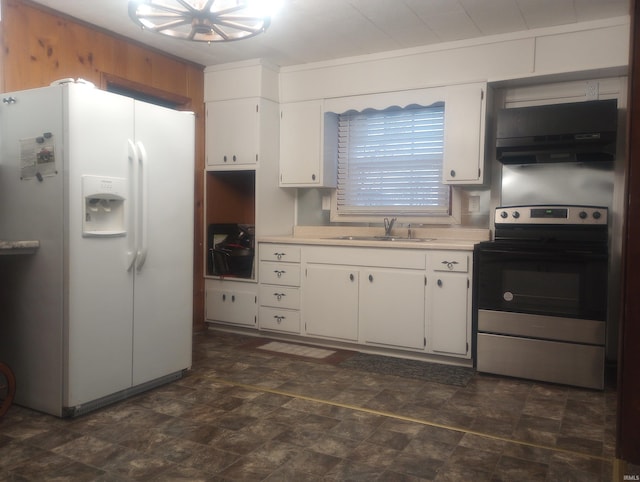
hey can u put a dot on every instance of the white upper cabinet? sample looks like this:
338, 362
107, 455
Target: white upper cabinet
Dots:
308, 145
233, 132
464, 134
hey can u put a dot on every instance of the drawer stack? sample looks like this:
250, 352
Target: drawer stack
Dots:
279, 290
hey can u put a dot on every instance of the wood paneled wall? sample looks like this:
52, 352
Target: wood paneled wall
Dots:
628, 444
40, 46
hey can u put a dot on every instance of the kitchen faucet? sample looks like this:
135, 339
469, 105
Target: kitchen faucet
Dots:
388, 225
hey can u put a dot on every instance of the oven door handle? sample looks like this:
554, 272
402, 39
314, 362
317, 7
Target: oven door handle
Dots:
542, 252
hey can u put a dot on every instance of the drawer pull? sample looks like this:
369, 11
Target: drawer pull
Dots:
440, 283
279, 318
351, 277
279, 255
279, 273
279, 295
450, 264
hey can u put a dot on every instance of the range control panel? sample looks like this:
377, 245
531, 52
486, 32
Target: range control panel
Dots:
561, 215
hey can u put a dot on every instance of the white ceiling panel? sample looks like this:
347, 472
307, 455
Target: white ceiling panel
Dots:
541, 13
317, 30
450, 26
594, 9
494, 16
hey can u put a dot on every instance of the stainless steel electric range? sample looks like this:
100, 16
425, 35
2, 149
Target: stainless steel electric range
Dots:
541, 294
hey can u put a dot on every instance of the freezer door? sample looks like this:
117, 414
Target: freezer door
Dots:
164, 269
100, 283
31, 208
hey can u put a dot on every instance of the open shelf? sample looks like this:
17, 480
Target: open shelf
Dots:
230, 200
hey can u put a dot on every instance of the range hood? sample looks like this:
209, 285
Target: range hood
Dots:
573, 132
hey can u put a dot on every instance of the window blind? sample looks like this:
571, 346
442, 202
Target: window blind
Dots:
390, 162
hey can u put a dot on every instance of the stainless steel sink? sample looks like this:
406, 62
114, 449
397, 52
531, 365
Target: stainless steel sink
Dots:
384, 238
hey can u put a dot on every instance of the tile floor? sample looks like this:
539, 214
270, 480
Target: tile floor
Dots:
254, 415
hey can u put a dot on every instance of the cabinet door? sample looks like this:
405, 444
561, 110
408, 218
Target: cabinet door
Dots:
232, 132
330, 301
301, 150
392, 307
449, 323
464, 120
238, 307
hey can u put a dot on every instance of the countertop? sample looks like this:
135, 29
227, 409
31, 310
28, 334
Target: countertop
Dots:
434, 238
18, 247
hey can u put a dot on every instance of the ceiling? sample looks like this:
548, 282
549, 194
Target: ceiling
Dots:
316, 30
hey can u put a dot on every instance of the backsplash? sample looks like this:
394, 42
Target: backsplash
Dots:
310, 212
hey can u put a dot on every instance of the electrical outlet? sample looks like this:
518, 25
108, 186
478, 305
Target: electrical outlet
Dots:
326, 202
593, 90
474, 204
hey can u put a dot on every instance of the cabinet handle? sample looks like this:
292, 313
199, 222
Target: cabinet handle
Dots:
234, 158
371, 278
233, 298
279, 295
313, 177
351, 277
279, 318
224, 158
453, 173
440, 283
279, 273
279, 255
450, 264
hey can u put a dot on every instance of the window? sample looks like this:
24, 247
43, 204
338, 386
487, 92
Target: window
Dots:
390, 162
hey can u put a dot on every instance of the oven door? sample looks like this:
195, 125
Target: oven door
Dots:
540, 312
551, 281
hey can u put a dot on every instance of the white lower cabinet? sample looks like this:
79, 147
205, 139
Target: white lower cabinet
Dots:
449, 307
330, 301
404, 299
382, 306
370, 296
392, 307
231, 302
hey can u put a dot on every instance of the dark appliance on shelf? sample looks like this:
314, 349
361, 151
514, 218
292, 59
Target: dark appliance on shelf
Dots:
230, 250
540, 305
571, 132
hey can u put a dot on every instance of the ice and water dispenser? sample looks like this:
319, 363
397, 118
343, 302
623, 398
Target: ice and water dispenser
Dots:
103, 206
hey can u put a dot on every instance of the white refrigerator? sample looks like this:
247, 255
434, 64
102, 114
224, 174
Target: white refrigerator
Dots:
103, 309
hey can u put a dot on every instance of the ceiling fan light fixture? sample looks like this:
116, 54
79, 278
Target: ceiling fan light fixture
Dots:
201, 20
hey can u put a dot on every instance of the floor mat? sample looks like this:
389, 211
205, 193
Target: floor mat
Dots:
298, 350
435, 372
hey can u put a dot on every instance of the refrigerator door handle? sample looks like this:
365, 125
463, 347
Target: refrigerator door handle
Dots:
133, 215
143, 162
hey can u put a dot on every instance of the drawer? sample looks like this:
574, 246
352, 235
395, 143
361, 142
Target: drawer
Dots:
279, 252
279, 273
454, 261
279, 319
280, 296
